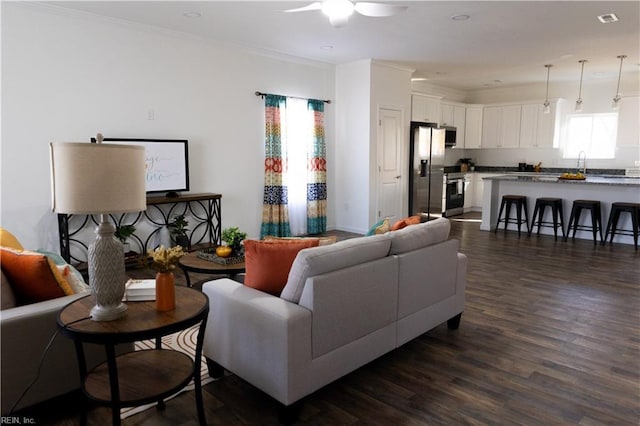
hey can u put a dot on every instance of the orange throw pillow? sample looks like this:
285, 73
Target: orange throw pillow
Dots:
267, 263
34, 277
403, 223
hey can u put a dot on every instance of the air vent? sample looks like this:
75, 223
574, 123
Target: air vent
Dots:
608, 18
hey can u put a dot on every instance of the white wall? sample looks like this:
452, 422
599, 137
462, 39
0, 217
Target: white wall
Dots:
353, 97
390, 88
66, 77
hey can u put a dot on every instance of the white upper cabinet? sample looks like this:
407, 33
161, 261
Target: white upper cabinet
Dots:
491, 127
473, 127
529, 125
501, 126
454, 115
425, 108
510, 126
537, 129
446, 114
628, 127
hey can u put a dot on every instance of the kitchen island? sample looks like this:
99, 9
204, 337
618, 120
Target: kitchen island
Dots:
606, 189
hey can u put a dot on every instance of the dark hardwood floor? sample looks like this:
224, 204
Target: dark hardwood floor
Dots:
550, 335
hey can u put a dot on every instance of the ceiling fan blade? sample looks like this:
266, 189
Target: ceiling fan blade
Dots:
313, 6
378, 9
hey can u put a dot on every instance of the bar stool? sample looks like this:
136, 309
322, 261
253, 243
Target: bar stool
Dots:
521, 204
556, 210
614, 215
596, 218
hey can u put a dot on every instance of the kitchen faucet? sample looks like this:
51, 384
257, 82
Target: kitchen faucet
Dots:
582, 155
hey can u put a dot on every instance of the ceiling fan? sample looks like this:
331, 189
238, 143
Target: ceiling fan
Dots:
339, 11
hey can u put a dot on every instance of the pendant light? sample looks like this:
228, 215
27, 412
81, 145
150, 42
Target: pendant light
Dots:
546, 109
616, 99
579, 100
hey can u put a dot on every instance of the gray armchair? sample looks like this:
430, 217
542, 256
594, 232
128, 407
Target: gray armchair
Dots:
25, 332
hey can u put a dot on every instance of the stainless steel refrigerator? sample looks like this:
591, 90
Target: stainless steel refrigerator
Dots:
426, 163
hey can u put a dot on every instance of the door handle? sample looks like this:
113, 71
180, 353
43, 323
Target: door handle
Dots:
398, 177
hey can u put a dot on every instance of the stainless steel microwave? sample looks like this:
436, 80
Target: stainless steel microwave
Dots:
449, 136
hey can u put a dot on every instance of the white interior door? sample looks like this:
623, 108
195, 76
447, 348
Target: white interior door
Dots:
390, 155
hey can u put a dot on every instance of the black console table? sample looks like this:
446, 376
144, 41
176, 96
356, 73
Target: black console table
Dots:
202, 211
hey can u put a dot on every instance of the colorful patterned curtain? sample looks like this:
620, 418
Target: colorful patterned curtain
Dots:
275, 217
317, 172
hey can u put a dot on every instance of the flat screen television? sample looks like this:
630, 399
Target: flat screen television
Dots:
167, 163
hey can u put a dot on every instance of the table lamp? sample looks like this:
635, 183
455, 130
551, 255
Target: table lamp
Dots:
97, 178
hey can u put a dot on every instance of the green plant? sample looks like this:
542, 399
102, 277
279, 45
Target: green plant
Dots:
124, 231
179, 226
233, 236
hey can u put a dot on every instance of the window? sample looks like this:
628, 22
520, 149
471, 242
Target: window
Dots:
298, 128
595, 134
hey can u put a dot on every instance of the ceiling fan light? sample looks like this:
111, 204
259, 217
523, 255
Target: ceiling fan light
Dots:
337, 9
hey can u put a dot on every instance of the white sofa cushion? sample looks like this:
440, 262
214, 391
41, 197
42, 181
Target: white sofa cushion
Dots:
417, 236
319, 260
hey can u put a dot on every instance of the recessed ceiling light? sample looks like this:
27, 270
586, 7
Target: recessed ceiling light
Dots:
327, 47
419, 79
460, 17
608, 18
192, 14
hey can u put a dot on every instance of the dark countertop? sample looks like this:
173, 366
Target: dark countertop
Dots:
613, 180
547, 170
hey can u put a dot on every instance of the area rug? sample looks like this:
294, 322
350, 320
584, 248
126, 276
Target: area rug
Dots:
184, 341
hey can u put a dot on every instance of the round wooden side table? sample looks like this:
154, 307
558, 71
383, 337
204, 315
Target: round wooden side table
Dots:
190, 262
138, 377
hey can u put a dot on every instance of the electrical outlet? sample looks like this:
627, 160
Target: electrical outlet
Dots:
151, 114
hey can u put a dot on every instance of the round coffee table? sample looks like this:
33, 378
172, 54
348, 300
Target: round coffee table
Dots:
190, 262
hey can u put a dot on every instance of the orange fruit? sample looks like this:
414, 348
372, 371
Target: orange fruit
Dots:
223, 251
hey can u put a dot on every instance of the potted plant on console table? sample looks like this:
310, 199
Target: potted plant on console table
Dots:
234, 237
179, 231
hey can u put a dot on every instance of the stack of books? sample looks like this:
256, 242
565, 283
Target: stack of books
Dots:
139, 290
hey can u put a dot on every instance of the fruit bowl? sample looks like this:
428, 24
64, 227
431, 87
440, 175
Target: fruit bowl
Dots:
572, 176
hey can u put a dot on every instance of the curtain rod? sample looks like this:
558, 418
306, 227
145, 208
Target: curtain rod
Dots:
261, 94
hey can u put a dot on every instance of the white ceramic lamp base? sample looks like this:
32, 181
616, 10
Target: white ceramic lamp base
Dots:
107, 274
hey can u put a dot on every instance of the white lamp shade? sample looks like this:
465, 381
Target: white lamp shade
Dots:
90, 178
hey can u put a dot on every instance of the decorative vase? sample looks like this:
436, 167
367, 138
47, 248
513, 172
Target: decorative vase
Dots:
165, 291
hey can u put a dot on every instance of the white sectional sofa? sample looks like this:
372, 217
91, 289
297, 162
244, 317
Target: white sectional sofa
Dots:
343, 306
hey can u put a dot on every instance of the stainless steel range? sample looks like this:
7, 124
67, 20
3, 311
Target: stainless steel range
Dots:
453, 194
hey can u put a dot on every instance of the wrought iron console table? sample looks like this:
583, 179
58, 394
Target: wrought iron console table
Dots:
202, 211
